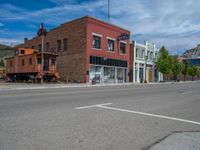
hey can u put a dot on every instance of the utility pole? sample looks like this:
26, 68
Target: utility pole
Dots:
42, 32
42, 59
108, 11
145, 77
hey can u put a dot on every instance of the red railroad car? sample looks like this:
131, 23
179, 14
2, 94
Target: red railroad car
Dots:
26, 65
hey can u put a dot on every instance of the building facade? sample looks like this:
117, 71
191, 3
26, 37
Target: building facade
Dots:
88, 49
144, 67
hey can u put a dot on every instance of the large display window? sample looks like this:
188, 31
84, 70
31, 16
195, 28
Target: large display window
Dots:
105, 74
109, 74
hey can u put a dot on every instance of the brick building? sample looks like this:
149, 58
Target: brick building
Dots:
88, 49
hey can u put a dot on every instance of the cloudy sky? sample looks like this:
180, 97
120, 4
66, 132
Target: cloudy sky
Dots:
174, 24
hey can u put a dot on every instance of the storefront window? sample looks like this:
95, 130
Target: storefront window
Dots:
120, 75
95, 73
109, 74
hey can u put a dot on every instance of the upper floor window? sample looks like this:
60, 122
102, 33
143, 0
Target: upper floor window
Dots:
11, 63
96, 42
151, 56
137, 53
47, 46
58, 45
143, 53
30, 61
148, 55
65, 44
111, 47
122, 48
22, 51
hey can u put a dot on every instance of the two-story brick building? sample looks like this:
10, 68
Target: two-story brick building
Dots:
88, 49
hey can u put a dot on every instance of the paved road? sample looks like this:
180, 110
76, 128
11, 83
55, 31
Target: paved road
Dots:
139, 116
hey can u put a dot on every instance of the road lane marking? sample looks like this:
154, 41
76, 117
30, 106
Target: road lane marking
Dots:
104, 106
85, 107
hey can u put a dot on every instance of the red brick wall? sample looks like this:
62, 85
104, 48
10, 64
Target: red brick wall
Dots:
70, 63
99, 27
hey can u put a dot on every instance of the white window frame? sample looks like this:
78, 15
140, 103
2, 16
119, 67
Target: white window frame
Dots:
110, 38
96, 34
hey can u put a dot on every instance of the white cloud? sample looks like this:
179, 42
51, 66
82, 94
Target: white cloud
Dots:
10, 41
175, 24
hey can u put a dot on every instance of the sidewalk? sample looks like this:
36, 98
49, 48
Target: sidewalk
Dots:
24, 86
179, 141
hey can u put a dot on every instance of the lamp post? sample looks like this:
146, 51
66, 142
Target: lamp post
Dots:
145, 77
42, 32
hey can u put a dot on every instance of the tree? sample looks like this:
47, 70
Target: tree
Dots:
2, 63
185, 66
176, 67
164, 61
193, 71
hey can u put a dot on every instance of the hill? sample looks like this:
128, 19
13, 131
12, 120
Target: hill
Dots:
5, 51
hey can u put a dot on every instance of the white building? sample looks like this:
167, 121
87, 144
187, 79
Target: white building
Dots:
144, 66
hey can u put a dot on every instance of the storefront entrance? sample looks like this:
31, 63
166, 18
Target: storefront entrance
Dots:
107, 70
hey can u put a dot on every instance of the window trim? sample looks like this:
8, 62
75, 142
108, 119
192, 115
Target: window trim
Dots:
96, 34
123, 42
110, 38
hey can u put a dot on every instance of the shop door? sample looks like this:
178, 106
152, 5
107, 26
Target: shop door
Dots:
141, 75
150, 75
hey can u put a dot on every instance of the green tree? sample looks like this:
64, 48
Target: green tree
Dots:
176, 67
193, 71
2, 63
185, 66
164, 62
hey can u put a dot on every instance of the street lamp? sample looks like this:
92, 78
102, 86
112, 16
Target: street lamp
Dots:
145, 77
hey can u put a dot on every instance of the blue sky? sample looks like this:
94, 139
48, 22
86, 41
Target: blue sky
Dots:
174, 24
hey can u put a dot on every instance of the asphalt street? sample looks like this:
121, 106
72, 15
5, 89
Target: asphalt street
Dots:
124, 117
